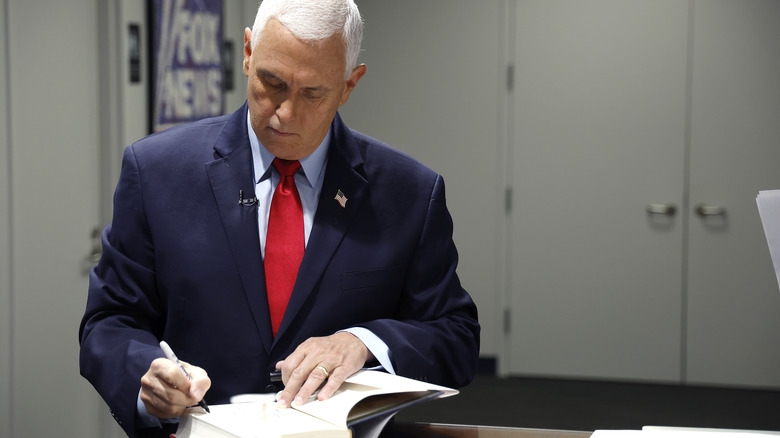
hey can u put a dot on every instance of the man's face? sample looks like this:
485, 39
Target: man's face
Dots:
295, 88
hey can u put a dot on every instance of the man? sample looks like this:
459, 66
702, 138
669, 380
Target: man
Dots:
194, 254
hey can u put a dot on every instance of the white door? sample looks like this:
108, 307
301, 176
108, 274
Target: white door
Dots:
52, 143
599, 139
733, 298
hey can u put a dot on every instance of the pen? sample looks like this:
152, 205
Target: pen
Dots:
172, 356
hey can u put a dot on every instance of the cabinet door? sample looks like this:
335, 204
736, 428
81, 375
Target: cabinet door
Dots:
733, 299
599, 130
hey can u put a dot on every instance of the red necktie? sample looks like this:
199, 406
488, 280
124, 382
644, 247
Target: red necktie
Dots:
284, 244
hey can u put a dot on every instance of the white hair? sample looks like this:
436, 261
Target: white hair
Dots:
315, 20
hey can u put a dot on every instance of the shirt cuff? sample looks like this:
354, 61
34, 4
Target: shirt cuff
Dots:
146, 420
375, 345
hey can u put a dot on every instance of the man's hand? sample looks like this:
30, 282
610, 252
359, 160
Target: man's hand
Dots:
166, 392
332, 358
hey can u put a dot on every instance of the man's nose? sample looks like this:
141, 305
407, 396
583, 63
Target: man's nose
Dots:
286, 109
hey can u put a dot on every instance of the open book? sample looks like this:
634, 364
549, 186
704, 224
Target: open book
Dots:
363, 404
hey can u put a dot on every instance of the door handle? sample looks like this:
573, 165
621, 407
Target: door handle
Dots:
664, 209
704, 210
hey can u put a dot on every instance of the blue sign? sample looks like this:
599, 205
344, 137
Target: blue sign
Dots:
187, 61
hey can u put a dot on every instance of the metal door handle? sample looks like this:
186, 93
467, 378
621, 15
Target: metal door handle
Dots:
665, 209
704, 210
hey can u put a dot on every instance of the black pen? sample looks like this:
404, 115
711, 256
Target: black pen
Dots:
172, 356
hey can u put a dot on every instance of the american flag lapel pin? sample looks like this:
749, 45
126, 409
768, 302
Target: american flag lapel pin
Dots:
341, 198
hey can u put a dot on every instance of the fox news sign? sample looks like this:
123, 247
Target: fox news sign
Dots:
187, 72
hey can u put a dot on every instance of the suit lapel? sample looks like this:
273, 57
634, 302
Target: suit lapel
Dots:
331, 220
230, 174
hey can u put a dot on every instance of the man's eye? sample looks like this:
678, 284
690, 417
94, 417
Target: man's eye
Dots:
312, 95
272, 82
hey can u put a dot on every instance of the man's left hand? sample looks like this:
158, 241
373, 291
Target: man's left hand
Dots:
330, 359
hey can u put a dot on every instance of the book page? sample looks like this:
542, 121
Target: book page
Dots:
381, 379
255, 420
362, 385
384, 394
336, 409
375, 405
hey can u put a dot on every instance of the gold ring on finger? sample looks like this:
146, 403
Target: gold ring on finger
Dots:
324, 370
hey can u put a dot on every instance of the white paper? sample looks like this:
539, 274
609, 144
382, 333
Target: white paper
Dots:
769, 209
683, 432
700, 430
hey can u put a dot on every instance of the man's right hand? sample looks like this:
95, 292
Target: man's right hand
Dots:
166, 392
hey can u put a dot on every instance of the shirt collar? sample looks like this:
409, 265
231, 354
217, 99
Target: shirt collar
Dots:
312, 165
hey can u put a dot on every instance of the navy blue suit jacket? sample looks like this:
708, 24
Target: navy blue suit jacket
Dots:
182, 262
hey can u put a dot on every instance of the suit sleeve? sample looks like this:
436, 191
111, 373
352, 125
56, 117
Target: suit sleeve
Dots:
435, 334
120, 328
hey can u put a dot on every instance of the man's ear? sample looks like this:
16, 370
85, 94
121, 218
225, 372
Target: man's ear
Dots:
352, 81
247, 49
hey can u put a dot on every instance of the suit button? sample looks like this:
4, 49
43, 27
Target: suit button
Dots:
270, 388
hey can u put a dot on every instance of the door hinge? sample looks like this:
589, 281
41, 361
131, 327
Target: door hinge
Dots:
507, 320
510, 77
